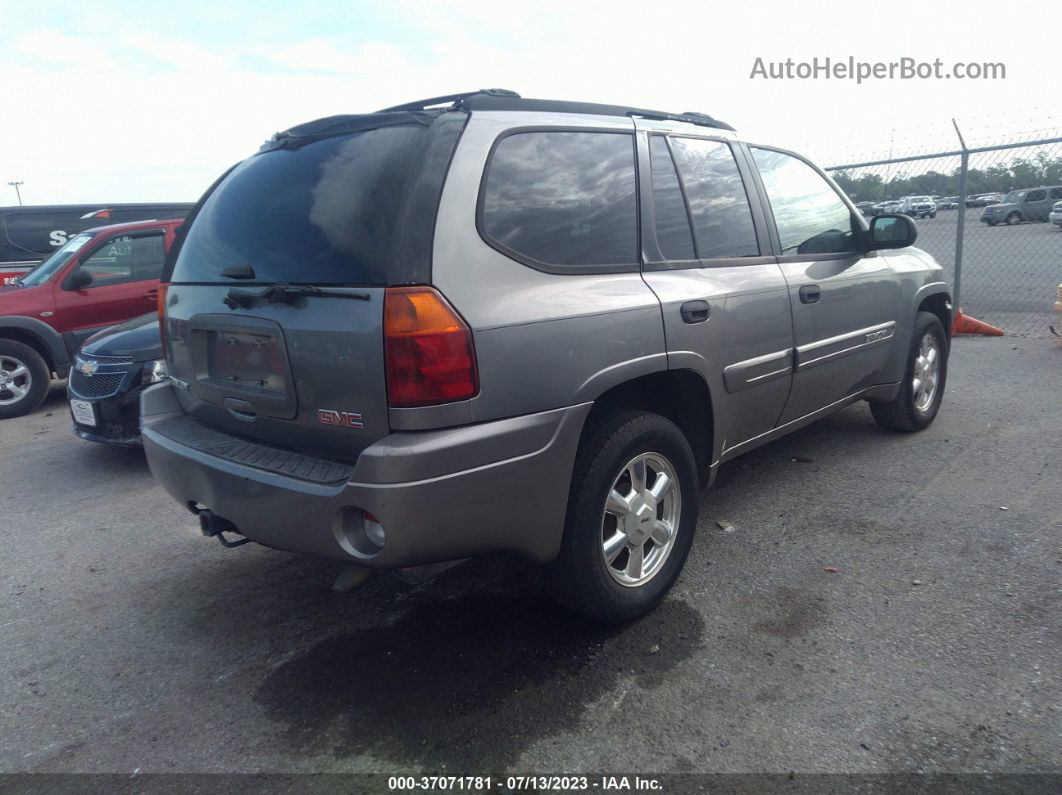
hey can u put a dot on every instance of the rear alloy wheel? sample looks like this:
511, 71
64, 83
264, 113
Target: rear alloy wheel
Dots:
632, 510
640, 518
23, 379
1014, 218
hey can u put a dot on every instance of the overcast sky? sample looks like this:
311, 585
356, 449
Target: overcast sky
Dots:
115, 102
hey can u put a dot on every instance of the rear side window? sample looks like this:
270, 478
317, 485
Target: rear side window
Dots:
327, 212
1036, 196
672, 224
125, 258
719, 206
563, 199
810, 216
1056, 193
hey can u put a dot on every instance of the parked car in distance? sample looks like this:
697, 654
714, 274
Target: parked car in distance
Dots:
533, 352
867, 208
30, 234
1019, 206
100, 277
1055, 216
984, 199
919, 207
888, 207
108, 374
948, 203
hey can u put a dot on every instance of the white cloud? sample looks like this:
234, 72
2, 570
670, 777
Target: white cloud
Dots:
144, 114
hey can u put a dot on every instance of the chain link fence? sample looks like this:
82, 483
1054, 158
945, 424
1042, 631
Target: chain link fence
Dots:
991, 232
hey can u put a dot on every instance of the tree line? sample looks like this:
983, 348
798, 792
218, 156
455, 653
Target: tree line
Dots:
1021, 172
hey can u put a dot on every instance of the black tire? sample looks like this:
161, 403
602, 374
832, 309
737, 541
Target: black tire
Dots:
932, 215
991, 223
902, 413
38, 376
579, 578
1014, 218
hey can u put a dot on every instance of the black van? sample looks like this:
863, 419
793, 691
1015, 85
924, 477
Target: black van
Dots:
30, 234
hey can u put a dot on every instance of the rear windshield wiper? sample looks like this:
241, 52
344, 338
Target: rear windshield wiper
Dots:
283, 294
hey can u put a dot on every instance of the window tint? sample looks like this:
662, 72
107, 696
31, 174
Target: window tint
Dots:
810, 216
125, 259
722, 220
1036, 196
1056, 193
564, 198
672, 224
325, 212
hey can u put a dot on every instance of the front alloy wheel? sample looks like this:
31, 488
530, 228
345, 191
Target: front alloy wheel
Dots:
926, 373
640, 518
16, 380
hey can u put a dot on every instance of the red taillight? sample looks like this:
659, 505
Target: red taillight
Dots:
430, 358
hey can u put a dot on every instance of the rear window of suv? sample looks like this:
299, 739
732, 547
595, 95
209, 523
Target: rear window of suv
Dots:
326, 212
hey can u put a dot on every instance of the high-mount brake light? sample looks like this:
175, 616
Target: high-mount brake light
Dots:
429, 350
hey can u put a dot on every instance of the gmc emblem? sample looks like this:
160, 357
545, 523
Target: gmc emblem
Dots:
341, 419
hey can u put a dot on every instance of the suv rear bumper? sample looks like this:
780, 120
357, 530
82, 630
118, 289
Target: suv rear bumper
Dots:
439, 495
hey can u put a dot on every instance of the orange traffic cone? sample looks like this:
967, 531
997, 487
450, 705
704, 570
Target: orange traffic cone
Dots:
964, 324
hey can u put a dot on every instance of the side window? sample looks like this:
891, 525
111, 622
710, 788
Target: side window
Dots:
125, 259
1056, 193
719, 206
1036, 196
810, 216
673, 233
564, 199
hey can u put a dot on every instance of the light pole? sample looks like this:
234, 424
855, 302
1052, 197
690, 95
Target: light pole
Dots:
17, 192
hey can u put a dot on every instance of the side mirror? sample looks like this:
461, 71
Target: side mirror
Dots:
891, 231
78, 280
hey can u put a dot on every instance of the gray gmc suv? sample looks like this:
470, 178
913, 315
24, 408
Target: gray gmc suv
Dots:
484, 323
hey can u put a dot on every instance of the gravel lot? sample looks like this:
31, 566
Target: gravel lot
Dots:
132, 644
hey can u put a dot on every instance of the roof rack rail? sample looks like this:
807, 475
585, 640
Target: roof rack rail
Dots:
454, 99
689, 117
503, 99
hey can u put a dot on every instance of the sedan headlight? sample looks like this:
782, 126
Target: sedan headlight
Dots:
154, 372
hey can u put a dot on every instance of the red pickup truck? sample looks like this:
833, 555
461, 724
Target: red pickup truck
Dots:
98, 278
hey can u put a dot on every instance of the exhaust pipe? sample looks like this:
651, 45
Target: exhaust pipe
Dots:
213, 525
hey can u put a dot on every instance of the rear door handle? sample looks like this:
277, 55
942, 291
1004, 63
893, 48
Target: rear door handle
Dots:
810, 293
152, 294
695, 311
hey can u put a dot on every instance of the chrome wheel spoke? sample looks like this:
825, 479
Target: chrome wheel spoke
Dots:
19, 371
16, 390
635, 562
661, 532
637, 473
614, 545
661, 486
617, 505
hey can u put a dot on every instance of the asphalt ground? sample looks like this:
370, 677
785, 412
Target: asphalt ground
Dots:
132, 645
1010, 274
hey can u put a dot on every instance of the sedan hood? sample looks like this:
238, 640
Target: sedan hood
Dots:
138, 339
